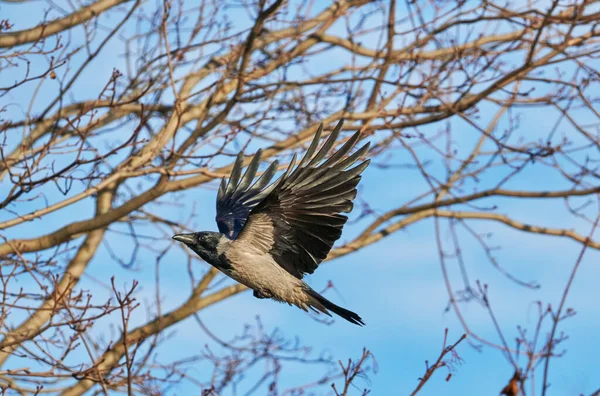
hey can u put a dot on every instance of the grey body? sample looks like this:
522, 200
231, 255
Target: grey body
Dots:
258, 271
256, 268
247, 260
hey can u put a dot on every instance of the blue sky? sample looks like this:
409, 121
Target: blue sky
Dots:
396, 285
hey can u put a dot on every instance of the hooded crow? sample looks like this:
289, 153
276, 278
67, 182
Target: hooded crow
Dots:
272, 235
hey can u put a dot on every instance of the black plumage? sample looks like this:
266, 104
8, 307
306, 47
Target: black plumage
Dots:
306, 204
236, 198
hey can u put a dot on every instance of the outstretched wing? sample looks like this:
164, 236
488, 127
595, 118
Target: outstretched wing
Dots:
299, 221
238, 196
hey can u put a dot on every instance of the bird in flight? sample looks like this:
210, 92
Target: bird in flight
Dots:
271, 235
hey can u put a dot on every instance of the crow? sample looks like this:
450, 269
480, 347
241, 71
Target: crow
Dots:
271, 235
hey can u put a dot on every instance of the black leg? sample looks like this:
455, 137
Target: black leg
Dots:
258, 294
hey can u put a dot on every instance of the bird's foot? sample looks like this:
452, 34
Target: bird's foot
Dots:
258, 294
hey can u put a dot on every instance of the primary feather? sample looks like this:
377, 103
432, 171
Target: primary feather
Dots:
236, 198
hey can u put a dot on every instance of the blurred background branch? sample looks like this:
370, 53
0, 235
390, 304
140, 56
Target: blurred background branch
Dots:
118, 117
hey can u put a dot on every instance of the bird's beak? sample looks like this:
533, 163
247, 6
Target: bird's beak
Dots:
185, 238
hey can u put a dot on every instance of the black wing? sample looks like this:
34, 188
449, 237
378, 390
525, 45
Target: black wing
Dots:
303, 212
237, 197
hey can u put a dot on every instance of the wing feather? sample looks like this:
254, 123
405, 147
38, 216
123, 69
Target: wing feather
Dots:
305, 207
238, 196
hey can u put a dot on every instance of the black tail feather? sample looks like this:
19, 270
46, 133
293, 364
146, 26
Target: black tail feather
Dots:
324, 305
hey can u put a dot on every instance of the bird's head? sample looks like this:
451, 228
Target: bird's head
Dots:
203, 243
